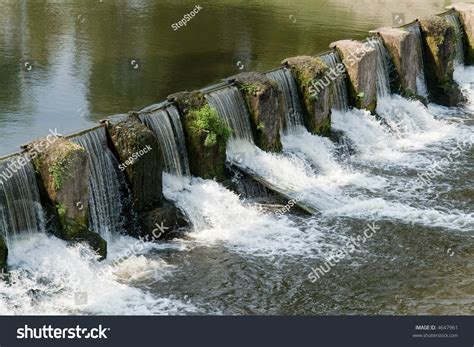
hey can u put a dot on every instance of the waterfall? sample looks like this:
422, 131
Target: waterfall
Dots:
231, 107
166, 125
20, 207
106, 204
421, 87
458, 33
383, 68
292, 105
339, 98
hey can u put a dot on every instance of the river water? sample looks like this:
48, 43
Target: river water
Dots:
88, 59
241, 257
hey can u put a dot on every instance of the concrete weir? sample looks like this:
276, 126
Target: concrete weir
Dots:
60, 172
265, 103
402, 47
360, 60
439, 47
466, 15
316, 91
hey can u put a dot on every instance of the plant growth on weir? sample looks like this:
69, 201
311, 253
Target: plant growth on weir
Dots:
207, 119
249, 88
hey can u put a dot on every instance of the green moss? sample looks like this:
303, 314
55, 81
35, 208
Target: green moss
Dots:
264, 104
73, 231
440, 41
372, 106
249, 88
410, 94
61, 209
61, 162
211, 140
308, 72
206, 158
38, 162
324, 128
207, 120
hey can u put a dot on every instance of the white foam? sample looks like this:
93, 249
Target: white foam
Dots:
220, 217
410, 127
464, 76
294, 177
381, 209
321, 151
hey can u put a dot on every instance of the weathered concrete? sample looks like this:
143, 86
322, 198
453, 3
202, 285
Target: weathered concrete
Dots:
61, 169
360, 60
402, 47
265, 103
141, 159
316, 90
438, 47
466, 15
205, 133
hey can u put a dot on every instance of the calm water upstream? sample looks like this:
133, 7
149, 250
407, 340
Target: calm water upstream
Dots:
89, 59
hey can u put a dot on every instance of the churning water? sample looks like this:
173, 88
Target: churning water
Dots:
406, 173
105, 182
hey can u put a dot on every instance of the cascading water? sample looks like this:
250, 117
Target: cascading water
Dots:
292, 105
166, 125
106, 203
458, 40
383, 59
421, 87
230, 105
242, 152
20, 207
47, 273
339, 99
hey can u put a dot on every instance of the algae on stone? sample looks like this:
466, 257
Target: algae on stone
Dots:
439, 50
206, 119
466, 16
310, 74
264, 101
60, 169
206, 154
